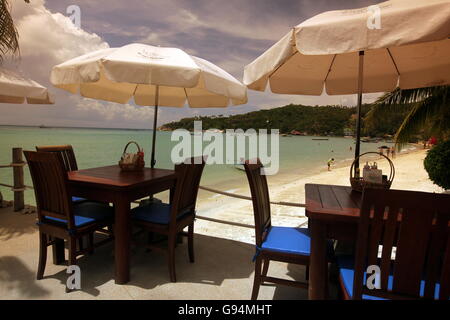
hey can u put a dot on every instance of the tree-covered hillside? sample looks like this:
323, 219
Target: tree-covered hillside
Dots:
317, 120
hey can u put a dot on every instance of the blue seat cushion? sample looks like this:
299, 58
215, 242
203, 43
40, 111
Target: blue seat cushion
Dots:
88, 212
158, 213
290, 240
346, 272
78, 199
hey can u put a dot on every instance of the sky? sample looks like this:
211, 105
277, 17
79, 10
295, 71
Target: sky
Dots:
230, 34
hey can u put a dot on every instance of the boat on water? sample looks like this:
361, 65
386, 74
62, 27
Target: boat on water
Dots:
214, 131
370, 140
320, 139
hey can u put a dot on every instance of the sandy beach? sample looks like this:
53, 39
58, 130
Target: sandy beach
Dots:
410, 175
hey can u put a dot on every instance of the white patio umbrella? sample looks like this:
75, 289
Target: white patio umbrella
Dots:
402, 43
154, 76
16, 89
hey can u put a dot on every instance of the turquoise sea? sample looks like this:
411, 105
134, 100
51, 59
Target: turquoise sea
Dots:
299, 155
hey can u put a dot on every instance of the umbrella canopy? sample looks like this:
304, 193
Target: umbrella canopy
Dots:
342, 52
17, 89
410, 50
152, 76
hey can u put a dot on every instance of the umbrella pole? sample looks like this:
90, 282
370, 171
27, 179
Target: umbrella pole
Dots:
358, 110
155, 120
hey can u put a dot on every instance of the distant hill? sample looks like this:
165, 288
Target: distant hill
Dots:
311, 120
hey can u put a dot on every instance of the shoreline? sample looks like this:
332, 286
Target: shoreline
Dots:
410, 175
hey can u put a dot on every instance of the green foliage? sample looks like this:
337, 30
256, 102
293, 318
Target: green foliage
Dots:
437, 164
9, 42
382, 123
425, 112
318, 120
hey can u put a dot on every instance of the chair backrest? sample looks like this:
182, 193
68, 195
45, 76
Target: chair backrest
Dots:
67, 153
189, 174
413, 230
260, 198
50, 185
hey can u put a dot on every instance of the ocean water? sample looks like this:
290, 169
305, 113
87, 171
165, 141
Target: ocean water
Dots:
298, 155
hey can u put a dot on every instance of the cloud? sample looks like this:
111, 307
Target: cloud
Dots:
115, 111
228, 33
47, 39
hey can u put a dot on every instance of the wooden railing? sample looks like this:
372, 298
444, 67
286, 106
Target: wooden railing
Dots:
19, 187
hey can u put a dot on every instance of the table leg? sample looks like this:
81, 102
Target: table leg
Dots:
171, 194
318, 270
122, 239
58, 251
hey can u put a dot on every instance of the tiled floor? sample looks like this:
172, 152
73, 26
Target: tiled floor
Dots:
223, 270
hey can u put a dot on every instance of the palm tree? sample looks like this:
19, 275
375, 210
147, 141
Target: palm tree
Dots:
8, 33
428, 112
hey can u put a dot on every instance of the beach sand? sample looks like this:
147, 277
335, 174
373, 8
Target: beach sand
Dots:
410, 175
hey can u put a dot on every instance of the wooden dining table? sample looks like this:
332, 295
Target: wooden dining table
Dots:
110, 184
333, 213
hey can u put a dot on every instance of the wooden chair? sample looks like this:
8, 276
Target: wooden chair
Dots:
285, 244
412, 230
70, 164
67, 153
171, 219
58, 216
68, 157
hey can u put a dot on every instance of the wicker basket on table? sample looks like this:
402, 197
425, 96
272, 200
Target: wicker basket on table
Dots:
138, 164
358, 183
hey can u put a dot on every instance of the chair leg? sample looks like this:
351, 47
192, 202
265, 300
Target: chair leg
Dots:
266, 267
191, 242
91, 243
172, 243
42, 255
150, 237
58, 250
257, 278
80, 243
72, 255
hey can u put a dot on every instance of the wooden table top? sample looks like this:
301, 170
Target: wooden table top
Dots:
114, 177
332, 202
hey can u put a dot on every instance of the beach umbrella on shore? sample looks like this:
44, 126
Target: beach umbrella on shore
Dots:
17, 89
154, 76
402, 43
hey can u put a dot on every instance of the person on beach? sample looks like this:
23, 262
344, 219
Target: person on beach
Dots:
329, 163
392, 152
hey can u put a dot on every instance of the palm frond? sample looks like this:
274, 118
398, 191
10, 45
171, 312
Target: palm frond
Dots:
384, 111
399, 96
431, 114
9, 42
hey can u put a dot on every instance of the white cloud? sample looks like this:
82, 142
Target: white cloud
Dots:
47, 39
115, 111
228, 33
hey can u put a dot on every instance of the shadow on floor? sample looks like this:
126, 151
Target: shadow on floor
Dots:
216, 260
14, 224
17, 278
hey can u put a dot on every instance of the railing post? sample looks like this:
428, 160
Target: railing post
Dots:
19, 185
